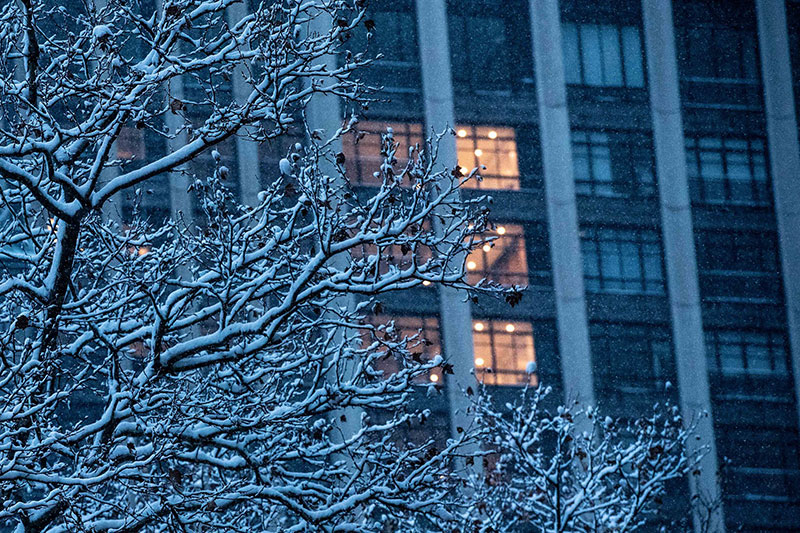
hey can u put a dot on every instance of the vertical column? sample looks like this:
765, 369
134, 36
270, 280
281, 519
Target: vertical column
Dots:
437, 90
180, 200
676, 220
324, 111
784, 159
246, 148
562, 213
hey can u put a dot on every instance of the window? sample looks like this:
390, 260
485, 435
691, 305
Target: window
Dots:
493, 147
130, 144
747, 352
602, 55
622, 260
395, 39
736, 266
503, 260
490, 46
362, 150
612, 164
631, 358
504, 352
713, 52
759, 447
395, 256
717, 45
423, 343
480, 52
203, 166
727, 170
136, 147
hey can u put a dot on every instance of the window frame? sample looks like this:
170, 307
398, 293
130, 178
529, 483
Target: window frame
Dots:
516, 54
776, 343
505, 134
491, 374
699, 185
709, 245
404, 134
625, 149
409, 325
580, 28
642, 237
604, 334
484, 267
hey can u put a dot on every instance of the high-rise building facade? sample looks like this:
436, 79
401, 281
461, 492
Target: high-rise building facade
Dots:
644, 164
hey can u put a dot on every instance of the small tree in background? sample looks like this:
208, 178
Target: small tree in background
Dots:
573, 470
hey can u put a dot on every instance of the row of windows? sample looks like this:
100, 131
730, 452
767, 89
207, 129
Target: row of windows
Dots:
738, 265
628, 358
613, 164
491, 149
631, 358
722, 170
503, 260
491, 50
727, 170
733, 266
504, 350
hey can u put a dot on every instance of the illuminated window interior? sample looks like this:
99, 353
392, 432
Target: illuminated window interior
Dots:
493, 147
395, 255
362, 149
130, 144
503, 260
504, 352
426, 345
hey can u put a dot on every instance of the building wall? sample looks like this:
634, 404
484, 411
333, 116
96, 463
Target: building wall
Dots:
634, 231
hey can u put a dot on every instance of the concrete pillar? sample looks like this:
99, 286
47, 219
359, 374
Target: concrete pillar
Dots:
324, 111
562, 215
676, 220
784, 159
437, 90
180, 200
246, 149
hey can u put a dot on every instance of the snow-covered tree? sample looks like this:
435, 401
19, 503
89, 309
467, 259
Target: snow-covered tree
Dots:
570, 469
221, 371
218, 374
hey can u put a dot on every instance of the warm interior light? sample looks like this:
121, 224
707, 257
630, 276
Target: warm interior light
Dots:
479, 361
478, 152
472, 265
434, 377
144, 250
426, 282
462, 133
493, 134
486, 247
510, 328
478, 326
501, 230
